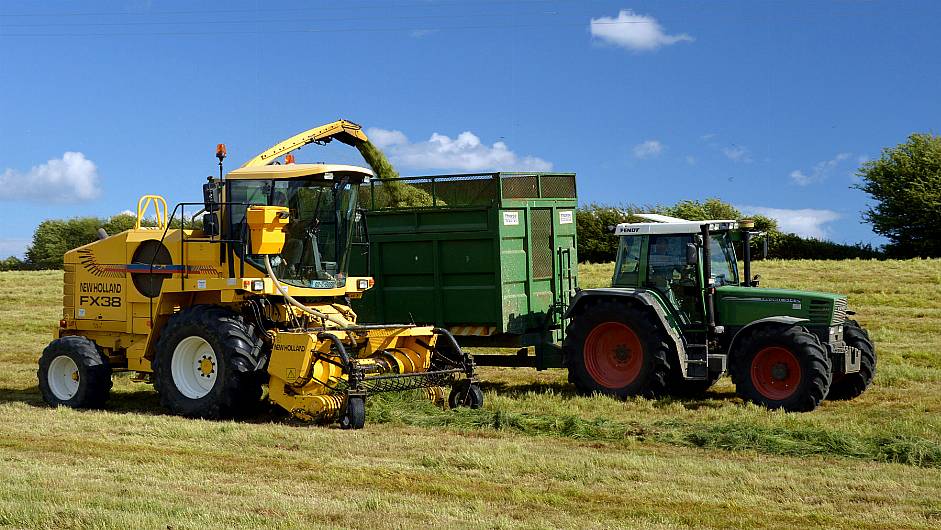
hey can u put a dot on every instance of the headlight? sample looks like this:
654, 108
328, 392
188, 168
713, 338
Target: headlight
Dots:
362, 285
258, 285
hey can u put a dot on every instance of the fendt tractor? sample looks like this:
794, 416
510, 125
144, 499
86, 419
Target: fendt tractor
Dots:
677, 316
252, 305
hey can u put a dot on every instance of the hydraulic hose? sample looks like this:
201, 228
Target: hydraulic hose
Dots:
295, 303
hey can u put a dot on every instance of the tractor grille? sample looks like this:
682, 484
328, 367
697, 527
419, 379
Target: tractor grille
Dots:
839, 311
540, 244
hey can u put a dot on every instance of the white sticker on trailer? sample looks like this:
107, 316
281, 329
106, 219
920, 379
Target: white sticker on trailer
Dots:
565, 217
511, 218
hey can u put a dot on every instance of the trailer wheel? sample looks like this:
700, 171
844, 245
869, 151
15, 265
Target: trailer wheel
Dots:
781, 368
849, 386
73, 373
205, 364
618, 350
354, 417
466, 394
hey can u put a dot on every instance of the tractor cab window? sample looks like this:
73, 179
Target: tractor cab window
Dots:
627, 270
723, 262
318, 231
669, 273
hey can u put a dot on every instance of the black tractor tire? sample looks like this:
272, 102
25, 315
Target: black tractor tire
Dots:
617, 349
849, 386
781, 368
678, 386
354, 414
69, 360
237, 387
466, 394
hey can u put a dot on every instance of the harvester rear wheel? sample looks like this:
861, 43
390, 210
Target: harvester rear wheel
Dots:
618, 350
781, 369
354, 417
206, 364
466, 394
73, 373
849, 386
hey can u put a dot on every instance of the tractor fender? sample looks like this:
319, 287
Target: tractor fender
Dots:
787, 322
643, 296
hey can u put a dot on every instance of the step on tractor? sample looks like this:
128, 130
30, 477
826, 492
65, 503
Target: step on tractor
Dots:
253, 304
677, 316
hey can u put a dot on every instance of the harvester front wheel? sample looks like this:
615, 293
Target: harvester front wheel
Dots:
205, 364
73, 373
618, 350
466, 394
354, 417
781, 369
849, 386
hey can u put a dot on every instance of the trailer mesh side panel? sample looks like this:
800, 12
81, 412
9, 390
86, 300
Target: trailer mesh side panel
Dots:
521, 187
540, 230
558, 186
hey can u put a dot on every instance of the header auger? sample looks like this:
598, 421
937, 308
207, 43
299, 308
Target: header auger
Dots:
253, 305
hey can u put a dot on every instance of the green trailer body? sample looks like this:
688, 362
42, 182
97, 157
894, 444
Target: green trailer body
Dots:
491, 257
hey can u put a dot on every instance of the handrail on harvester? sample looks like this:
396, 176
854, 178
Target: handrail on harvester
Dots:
143, 204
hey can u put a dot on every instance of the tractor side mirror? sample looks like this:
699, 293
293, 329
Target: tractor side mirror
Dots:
692, 254
764, 247
211, 196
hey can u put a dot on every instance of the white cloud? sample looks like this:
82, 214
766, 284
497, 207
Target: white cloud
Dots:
647, 149
737, 153
691, 160
634, 32
466, 152
71, 178
819, 172
806, 222
13, 247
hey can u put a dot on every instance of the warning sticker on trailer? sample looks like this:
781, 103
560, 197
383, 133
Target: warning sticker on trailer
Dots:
511, 218
565, 217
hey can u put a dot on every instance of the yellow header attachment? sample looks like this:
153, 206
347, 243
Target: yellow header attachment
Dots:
267, 228
345, 131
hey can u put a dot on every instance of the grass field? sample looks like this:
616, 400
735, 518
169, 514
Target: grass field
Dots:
536, 456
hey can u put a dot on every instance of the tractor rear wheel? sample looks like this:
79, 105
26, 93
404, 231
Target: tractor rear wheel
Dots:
618, 350
849, 386
781, 368
206, 364
73, 373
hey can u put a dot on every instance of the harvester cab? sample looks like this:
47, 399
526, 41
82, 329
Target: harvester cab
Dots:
677, 316
251, 305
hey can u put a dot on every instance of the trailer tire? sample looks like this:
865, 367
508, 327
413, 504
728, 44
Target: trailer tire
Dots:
781, 368
206, 364
73, 373
849, 386
601, 347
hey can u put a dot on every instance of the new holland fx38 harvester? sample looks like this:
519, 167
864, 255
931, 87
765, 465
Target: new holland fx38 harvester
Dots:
254, 303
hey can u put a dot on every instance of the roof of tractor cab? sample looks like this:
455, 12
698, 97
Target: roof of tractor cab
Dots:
289, 171
662, 224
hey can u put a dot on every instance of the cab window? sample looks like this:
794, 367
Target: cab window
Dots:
628, 263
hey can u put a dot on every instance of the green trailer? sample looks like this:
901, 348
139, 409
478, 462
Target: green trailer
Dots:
490, 256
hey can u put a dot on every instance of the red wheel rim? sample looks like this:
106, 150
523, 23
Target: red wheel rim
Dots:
613, 355
775, 372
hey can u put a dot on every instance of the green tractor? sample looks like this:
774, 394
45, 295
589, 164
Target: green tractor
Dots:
677, 317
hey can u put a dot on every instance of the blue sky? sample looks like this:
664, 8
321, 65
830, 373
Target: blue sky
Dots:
768, 105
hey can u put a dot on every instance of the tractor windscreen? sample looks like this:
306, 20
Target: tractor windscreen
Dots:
724, 264
316, 249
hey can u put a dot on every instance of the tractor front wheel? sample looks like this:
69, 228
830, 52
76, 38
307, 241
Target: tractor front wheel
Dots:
205, 364
73, 373
618, 350
781, 368
849, 386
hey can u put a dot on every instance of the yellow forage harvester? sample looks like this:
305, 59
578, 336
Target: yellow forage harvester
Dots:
255, 298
